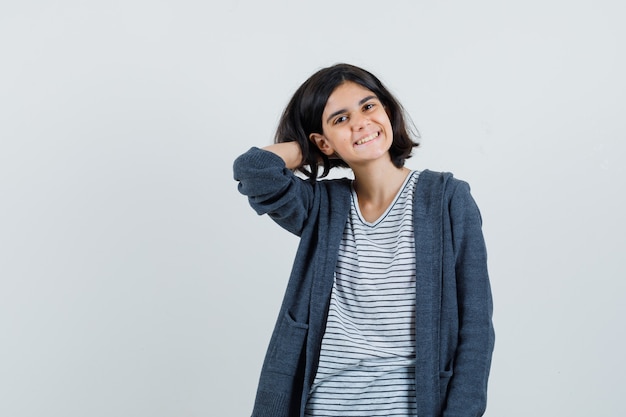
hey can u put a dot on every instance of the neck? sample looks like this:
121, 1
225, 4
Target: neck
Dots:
377, 184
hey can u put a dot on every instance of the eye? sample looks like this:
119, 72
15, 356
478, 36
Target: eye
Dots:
340, 119
369, 106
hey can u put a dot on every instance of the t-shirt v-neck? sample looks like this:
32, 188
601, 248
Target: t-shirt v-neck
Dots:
355, 202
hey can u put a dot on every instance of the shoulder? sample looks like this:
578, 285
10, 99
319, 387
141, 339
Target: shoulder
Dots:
340, 185
441, 183
334, 194
442, 191
443, 179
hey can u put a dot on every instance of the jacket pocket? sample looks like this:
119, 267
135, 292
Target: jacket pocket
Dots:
288, 346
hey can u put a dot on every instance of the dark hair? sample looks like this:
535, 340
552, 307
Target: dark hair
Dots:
303, 116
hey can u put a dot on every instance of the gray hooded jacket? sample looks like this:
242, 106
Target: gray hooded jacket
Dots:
454, 331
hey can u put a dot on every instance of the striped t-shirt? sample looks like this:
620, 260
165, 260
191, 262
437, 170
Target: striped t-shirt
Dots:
367, 360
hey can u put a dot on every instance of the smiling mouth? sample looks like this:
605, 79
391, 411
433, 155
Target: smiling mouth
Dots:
368, 138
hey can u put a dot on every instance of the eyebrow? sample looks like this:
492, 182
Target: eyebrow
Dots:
338, 112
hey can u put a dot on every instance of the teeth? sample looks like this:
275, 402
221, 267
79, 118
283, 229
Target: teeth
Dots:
367, 139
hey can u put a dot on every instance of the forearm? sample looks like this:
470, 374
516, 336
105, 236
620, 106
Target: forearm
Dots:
290, 152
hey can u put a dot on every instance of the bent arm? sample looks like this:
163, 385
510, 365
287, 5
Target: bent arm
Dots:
272, 188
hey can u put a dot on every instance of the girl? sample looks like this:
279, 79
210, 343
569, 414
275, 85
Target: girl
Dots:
388, 308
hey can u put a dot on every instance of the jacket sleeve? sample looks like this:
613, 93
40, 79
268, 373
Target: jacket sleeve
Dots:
273, 189
467, 393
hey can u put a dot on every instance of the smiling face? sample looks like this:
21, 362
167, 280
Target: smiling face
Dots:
355, 126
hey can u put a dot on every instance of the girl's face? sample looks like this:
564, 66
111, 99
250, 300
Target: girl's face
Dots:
355, 126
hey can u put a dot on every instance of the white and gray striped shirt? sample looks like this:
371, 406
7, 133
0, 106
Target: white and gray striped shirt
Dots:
367, 360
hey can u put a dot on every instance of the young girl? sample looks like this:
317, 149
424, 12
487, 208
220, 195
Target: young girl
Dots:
388, 308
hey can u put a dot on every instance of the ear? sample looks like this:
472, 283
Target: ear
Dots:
322, 144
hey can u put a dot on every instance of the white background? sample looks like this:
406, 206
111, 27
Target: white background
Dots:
136, 281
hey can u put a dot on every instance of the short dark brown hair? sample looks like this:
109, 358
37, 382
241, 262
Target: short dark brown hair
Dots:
303, 116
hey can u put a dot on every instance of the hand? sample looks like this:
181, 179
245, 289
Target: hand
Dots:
290, 152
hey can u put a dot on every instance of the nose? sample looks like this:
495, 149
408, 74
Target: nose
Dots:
359, 121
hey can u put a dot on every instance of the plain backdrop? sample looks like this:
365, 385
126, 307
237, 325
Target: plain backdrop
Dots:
136, 281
